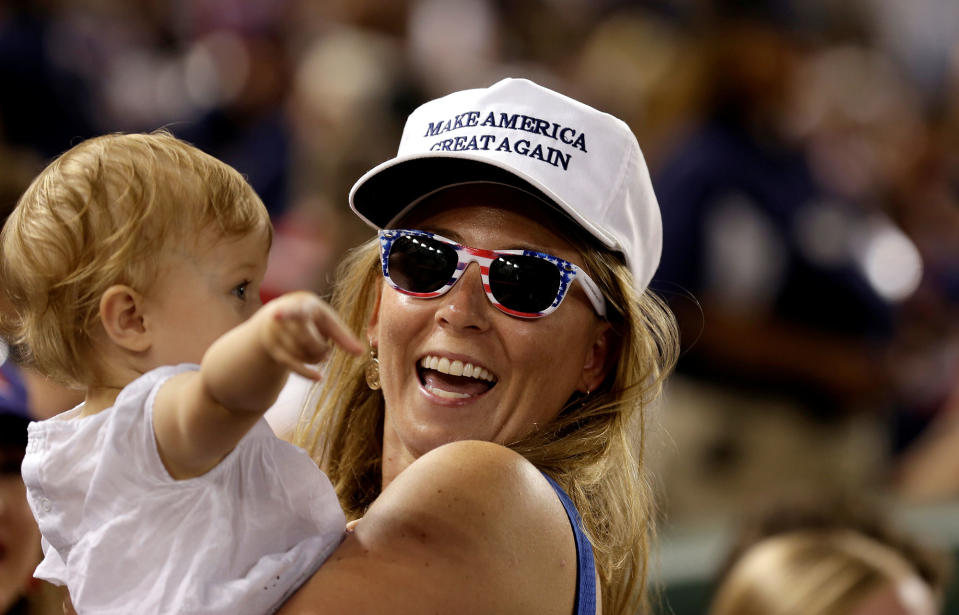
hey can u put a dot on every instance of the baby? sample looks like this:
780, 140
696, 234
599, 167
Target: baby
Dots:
133, 264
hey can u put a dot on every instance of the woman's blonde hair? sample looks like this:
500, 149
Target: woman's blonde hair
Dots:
809, 572
594, 448
97, 216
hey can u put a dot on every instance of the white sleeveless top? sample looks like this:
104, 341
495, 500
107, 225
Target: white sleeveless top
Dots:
125, 537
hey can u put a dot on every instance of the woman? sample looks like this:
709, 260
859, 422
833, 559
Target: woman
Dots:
495, 389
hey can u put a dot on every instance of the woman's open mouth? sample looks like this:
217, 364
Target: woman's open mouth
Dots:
453, 379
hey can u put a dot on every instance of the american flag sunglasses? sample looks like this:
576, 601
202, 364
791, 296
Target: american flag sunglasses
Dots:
521, 283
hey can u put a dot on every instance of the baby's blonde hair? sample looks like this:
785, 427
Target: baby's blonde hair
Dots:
96, 216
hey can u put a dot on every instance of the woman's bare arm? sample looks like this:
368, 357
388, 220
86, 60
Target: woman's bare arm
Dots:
471, 527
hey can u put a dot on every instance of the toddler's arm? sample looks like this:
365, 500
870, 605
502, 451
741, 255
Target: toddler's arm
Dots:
200, 416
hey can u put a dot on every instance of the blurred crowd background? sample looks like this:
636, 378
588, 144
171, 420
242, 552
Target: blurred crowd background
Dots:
805, 154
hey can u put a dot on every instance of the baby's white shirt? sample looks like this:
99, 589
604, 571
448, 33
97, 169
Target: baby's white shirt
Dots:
125, 537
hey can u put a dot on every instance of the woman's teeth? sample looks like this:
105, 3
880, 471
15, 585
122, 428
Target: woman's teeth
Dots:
446, 394
456, 368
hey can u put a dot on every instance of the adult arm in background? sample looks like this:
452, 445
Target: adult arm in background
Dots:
470, 527
928, 470
759, 343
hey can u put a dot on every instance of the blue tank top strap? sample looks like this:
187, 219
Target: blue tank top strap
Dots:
585, 603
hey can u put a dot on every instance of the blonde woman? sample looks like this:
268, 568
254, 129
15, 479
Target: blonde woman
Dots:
490, 448
828, 555
823, 572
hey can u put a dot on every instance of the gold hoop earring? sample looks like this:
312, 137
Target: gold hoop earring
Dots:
373, 371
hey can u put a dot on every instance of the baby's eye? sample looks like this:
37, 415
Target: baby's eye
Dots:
239, 291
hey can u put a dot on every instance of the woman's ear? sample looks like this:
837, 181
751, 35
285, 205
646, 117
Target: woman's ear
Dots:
596, 362
121, 314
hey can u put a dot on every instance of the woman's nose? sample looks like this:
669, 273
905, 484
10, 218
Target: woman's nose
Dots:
465, 306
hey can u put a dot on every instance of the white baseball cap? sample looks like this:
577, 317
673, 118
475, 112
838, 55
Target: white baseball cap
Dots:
584, 162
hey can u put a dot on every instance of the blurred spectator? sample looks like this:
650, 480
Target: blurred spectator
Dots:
920, 35
740, 198
19, 535
20, 593
786, 334
828, 558
247, 127
44, 103
927, 202
823, 573
642, 66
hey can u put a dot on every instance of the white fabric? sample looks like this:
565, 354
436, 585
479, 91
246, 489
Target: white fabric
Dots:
284, 414
127, 538
586, 161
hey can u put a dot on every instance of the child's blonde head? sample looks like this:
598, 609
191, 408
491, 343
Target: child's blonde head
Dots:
100, 215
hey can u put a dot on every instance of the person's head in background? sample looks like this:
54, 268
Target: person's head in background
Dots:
828, 561
19, 534
751, 53
838, 572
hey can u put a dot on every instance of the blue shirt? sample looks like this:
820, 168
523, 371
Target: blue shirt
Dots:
585, 602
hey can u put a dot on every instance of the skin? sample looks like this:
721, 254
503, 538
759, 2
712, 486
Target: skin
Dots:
201, 297
462, 519
48, 398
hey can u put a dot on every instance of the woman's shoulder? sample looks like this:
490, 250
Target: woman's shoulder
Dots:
453, 533
487, 489
477, 470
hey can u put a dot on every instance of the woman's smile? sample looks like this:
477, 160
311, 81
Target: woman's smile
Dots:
454, 378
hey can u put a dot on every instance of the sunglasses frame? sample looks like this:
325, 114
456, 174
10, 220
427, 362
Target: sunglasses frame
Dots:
484, 258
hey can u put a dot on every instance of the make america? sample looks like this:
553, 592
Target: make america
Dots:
513, 121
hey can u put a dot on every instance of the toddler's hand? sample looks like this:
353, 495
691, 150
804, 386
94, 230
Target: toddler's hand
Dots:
297, 330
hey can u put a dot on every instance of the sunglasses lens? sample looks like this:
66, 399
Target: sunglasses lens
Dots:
524, 283
419, 264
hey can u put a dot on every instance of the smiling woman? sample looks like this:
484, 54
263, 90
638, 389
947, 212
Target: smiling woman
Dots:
495, 432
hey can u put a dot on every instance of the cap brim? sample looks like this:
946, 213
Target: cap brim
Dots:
387, 191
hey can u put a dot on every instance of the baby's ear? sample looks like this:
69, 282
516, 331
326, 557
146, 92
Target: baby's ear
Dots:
121, 314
